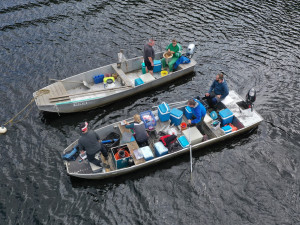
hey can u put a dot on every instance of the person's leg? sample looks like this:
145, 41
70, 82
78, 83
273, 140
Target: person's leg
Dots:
104, 151
163, 63
200, 126
92, 159
171, 63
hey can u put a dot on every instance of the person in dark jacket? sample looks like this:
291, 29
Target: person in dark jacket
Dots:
149, 56
199, 112
90, 143
218, 91
141, 135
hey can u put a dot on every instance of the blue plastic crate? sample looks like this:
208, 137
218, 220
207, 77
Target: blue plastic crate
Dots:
226, 116
147, 153
164, 112
188, 112
227, 129
149, 119
160, 149
138, 81
176, 116
183, 141
98, 78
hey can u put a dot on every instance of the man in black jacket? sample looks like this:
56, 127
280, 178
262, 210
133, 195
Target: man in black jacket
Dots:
90, 143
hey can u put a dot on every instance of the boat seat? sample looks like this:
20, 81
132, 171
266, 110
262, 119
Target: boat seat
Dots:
147, 77
96, 169
122, 75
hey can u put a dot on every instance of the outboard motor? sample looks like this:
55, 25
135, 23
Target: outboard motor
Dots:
190, 51
250, 98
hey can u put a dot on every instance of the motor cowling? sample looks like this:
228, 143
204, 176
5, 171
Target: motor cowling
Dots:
190, 50
250, 98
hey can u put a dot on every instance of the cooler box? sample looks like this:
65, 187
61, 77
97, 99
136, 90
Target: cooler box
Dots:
196, 136
188, 112
176, 116
160, 149
164, 112
226, 116
227, 129
147, 153
157, 66
98, 78
138, 81
183, 141
149, 119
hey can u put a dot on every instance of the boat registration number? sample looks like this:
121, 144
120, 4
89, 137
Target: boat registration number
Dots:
79, 104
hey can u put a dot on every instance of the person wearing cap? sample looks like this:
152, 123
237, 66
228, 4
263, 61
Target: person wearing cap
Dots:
174, 48
199, 112
121, 154
141, 135
218, 91
90, 143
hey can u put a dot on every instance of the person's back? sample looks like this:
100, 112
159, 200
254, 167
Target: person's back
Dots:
141, 134
199, 111
89, 142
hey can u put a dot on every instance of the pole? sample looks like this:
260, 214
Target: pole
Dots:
191, 156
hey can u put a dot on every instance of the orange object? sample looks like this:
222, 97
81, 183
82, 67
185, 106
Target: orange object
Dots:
117, 156
234, 128
183, 126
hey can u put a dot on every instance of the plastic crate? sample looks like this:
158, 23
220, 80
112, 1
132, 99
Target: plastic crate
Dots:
149, 119
98, 78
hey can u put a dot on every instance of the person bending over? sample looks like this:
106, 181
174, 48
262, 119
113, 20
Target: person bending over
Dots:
90, 143
141, 135
199, 112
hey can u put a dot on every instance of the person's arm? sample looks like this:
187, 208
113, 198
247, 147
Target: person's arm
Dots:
129, 126
151, 60
211, 87
198, 116
225, 91
179, 51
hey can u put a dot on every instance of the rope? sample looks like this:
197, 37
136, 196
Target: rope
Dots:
38, 94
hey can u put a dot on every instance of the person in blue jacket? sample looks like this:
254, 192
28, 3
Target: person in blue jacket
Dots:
199, 112
218, 91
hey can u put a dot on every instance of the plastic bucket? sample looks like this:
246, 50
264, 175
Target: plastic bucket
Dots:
183, 126
164, 73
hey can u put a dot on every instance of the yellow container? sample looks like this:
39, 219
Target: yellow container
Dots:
164, 73
108, 78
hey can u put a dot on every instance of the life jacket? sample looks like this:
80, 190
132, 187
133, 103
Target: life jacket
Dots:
168, 139
117, 156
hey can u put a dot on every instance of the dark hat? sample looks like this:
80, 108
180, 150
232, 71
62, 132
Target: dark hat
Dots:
83, 126
121, 153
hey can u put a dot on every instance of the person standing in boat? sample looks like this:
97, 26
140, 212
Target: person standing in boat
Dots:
90, 143
141, 135
175, 49
218, 91
199, 112
149, 56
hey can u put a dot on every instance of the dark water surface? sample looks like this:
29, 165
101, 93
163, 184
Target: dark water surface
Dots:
252, 179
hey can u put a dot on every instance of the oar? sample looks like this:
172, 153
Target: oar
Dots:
82, 82
191, 156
